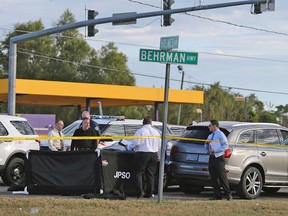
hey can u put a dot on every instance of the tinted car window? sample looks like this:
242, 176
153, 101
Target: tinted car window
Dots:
23, 127
159, 127
131, 129
246, 137
101, 127
3, 131
285, 136
114, 130
200, 134
177, 130
267, 136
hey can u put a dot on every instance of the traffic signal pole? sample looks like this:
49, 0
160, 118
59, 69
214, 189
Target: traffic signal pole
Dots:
119, 18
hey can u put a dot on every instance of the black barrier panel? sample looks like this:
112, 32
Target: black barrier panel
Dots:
49, 172
117, 171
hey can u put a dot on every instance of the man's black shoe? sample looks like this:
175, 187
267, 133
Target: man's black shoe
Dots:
216, 198
148, 196
139, 196
229, 197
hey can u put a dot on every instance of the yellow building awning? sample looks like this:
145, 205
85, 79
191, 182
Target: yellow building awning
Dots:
56, 93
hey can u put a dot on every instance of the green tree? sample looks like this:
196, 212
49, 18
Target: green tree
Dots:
72, 52
65, 57
219, 104
118, 72
30, 63
282, 114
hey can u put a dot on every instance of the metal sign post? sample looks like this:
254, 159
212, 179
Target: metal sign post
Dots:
163, 138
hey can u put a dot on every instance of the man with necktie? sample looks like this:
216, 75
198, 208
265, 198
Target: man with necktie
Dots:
56, 144
216, 145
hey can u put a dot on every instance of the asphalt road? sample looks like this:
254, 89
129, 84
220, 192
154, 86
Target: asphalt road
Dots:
173, 193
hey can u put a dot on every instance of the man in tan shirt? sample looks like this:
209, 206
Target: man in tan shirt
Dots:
55, 144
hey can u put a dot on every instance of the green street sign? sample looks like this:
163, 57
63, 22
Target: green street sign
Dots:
175, 57
168, 43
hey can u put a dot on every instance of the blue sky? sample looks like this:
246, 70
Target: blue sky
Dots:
235, 47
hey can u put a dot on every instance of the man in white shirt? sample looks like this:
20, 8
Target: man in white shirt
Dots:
146, 156
56, 144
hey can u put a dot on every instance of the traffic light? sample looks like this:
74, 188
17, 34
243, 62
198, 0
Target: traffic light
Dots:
257, 8
91, 28
167, 20
261, 7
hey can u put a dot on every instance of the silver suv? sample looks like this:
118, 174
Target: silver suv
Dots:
257, 158
13, 148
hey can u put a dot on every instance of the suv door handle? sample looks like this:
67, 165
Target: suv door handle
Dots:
263, 154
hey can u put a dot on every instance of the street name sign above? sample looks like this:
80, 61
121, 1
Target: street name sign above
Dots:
169, 43
175, 57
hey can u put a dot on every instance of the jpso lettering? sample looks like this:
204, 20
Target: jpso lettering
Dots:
122, 175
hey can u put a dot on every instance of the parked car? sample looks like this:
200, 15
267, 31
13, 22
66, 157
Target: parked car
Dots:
257, 158
111, 126
13, 151
177, 129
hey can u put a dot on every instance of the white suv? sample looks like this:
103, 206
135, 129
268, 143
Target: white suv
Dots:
12, 151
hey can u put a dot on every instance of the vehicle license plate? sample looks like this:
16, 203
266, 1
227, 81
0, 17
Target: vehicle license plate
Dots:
203, 158
192, 157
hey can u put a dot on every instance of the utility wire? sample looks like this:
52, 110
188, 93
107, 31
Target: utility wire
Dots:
216, 20
154, 47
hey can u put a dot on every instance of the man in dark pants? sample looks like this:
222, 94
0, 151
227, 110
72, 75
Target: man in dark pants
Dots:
216, 145
146, 156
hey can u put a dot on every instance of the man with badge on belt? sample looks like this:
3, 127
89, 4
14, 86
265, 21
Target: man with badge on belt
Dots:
216, 145
56, 144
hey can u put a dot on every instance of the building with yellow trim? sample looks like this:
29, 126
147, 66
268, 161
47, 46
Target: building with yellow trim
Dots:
56, 93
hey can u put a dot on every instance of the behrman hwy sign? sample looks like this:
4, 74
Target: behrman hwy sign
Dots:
175, 57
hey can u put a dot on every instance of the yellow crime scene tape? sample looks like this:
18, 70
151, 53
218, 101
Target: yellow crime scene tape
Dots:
46, 137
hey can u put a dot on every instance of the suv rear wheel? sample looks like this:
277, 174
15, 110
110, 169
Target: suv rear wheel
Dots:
251, 184
14, 172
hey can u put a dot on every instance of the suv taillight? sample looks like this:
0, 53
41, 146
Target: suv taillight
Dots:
38, 141
228, 153
174, 150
